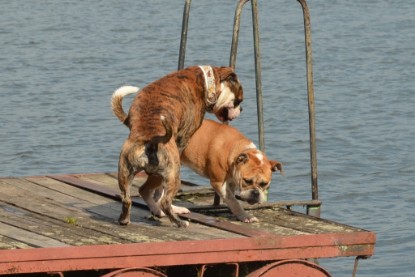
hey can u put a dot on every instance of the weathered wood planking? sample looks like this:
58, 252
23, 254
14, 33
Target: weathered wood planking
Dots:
70, 223
41, 211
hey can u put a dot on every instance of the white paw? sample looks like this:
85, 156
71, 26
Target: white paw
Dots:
250, 219
180, 210
184, 224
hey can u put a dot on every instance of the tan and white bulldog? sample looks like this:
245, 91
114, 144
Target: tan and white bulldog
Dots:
162, 118
232, 163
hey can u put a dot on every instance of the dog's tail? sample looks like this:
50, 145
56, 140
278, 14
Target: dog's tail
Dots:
167, 136
152, 145
116, 101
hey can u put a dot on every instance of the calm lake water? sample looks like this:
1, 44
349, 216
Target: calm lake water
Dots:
61, 61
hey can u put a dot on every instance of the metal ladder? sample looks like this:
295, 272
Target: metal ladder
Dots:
311, 209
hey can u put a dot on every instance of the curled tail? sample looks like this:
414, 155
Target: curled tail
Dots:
167, 136
116, 101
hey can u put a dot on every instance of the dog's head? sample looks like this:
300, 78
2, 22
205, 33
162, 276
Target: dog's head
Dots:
229, 94
253, 173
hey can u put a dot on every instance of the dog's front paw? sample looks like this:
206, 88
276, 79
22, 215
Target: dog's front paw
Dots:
180, 210
123, 221
249, 219
182, 224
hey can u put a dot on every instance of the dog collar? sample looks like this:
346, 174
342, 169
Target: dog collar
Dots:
209, 83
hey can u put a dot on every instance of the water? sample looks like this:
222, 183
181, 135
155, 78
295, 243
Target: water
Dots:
61, 61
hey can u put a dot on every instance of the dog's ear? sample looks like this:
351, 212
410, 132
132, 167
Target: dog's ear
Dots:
227, 74
242, 158
276, 166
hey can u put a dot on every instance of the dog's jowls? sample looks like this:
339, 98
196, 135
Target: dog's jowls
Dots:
162, 118
233, 165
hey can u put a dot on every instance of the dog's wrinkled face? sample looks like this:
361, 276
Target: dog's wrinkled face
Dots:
253, 172
227, 106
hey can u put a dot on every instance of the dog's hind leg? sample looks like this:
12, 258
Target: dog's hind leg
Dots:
171, 185
171, 188
125, 178
147, 192
158, 194
126, 174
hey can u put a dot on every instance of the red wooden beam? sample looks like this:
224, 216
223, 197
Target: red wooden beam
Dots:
186, 252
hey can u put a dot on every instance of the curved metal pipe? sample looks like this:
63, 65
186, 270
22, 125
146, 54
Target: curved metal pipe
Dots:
235, 35
258, 73
183, 40
310, 92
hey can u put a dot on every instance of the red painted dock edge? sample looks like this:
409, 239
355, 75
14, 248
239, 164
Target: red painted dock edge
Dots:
270, 248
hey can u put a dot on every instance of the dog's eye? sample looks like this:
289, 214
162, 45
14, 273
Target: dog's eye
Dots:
248, 181
263, 184
236, 102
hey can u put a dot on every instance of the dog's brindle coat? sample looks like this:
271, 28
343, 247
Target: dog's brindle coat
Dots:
162, 118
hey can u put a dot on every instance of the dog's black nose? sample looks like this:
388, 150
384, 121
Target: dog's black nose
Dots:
241, 109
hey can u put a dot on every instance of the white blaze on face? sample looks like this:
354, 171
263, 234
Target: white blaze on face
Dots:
251, 146
260, 157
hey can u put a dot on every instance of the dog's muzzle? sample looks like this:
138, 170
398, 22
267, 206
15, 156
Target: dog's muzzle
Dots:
252, 196
228, 114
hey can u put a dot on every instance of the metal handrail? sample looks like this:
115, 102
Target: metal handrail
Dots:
257, 54
235, 35
310, 93
183, 40
232, 62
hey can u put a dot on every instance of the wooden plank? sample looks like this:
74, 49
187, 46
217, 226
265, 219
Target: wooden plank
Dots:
51, 201
285, 222
190, 195
264, 224
67, 232
188, 252
267, 205
219, 245
110, 182
28, 237
179, 259
301, 222
104, 179
212, 222
64, 188
94, 203
8, 243
270, 220
31, 206
50, 208
99, 218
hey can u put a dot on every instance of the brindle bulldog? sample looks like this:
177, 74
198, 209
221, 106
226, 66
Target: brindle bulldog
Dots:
161, 119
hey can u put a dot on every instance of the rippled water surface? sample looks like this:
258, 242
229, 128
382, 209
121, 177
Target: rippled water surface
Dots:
61, 60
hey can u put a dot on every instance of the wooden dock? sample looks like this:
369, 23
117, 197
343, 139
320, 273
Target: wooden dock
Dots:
63, 223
